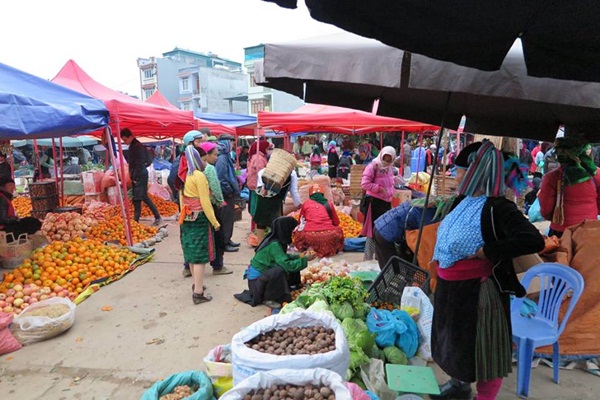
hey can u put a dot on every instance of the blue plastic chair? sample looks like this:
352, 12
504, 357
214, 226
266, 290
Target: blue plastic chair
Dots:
556, 282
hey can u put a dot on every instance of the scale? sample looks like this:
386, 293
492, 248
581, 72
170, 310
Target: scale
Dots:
411, 379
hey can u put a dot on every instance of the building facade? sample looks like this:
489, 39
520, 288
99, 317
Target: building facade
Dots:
261, 98
195, 81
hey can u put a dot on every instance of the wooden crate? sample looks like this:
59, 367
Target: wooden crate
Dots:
356, 173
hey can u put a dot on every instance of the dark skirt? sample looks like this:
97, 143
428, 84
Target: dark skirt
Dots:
471, 335
324, 243
197, 240
271, 285
267, 209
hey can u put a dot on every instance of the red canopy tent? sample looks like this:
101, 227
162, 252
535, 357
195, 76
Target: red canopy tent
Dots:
217, 129
324, 118
143, 118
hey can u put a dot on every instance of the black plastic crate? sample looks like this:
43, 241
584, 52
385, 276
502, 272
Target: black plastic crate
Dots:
395, 276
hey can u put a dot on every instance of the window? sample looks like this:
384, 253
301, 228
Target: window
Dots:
148, 73
185, 84
186, 106
148, 93
257, 105
252, 81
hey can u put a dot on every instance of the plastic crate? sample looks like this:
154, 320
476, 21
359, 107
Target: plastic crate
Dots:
395, 276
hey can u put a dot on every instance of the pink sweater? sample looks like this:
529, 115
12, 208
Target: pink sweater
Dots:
378, 184
581, 201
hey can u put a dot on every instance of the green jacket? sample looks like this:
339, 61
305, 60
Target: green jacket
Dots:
273, 255
216, 195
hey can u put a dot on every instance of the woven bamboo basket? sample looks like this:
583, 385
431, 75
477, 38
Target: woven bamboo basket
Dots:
280, 166
443, 186
356, 173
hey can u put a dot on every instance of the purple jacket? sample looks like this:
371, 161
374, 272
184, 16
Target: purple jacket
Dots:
378, 184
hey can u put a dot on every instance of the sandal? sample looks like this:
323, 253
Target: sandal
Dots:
198, 298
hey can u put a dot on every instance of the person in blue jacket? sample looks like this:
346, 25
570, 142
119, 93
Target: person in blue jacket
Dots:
230, 188
390, 228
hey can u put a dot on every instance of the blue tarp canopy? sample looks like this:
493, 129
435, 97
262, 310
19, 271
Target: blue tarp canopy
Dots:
32, 108
244, 124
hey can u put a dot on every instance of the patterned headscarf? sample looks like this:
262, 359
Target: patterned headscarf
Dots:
194, 161
485, 173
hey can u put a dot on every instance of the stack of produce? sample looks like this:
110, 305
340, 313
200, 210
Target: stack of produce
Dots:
325, 268
62, 269
370, 333
66, 226
350, 227
113, 229
100, 211
165, 208
22, 206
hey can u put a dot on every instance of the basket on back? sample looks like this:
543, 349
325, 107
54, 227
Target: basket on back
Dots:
278, 169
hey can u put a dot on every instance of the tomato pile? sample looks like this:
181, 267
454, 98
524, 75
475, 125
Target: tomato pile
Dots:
64, 269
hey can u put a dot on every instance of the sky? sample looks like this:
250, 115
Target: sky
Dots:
106, 38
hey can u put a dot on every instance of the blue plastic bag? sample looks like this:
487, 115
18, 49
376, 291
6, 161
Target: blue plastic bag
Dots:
394, 328
160, 164
534, 213
355, 244
407, 341
167, 385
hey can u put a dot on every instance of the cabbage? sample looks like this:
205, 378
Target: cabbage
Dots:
318, 306
357, 358
290, 308
363, 339
374, 352
307, 299
343, 310
358, 335
395, 356
362, 311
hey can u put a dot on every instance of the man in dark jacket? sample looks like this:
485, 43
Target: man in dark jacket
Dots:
230, 188
5, 169
139, 176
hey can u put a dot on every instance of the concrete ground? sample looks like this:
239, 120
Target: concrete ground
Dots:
155, 330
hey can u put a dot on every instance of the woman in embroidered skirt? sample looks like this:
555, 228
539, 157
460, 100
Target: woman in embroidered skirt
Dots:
320, 230
471, 332
197, 221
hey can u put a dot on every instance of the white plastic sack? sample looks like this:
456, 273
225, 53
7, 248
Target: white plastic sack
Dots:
29, 329
415, 297
316, 376
247, 362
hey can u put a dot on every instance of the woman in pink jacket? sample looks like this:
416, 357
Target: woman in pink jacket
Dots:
378, 184
569, 194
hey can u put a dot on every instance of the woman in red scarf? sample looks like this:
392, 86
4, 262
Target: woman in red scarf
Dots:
321, 230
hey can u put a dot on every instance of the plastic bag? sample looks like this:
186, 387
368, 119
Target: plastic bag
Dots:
414, 297
373, 376
8, 343
534, 212
356, 392
316, 376
167, 385
28, 327
247, 362
218, 361
394, 328
355, 244
159, 191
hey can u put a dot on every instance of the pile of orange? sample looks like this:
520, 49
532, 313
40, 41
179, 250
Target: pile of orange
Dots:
350, 227
22, 206
113, 229
70, 265
165, 208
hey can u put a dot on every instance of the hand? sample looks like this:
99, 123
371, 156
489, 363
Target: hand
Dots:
217, 228
382, 190
310, 255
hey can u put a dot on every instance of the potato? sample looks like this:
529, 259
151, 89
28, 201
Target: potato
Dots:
294, 341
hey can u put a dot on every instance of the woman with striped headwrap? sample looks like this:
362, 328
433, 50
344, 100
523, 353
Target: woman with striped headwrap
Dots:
471, 332
197, 221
